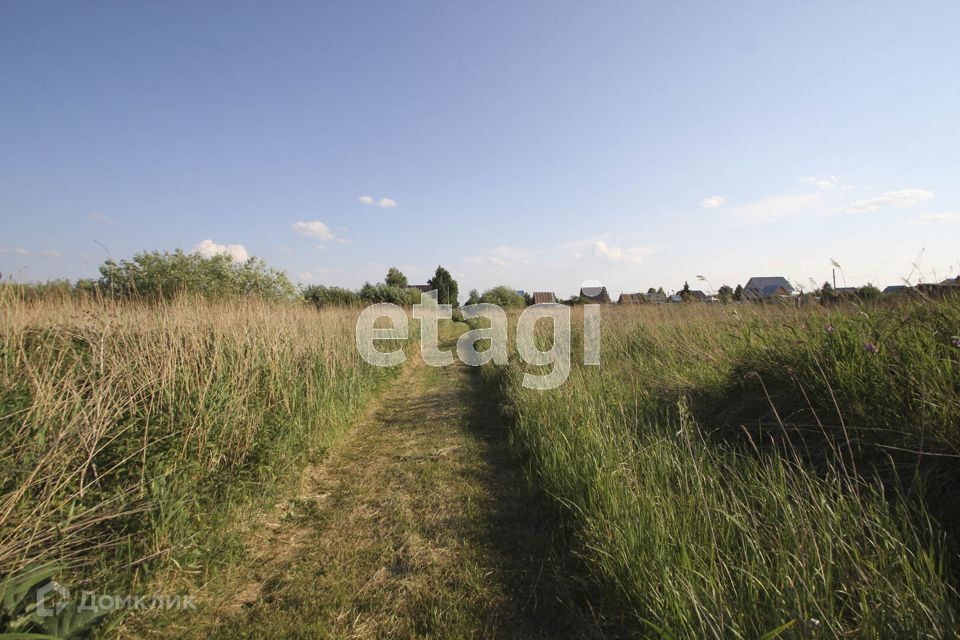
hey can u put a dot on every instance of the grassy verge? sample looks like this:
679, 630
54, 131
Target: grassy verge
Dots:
132, 434
736, 472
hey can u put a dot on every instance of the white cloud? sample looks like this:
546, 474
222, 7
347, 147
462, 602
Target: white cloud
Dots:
612, 253
821, 183
20, 251
209, 248
314, 229
927, 218
712, 202
901, 198
311, 276
382, 203
102, 219
504, 256
778, 206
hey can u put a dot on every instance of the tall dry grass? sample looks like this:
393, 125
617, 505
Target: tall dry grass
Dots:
129, 433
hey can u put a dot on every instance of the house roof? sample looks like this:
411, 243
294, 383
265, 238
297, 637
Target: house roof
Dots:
767, 285
895, 288
631, 298
595, 294
698, 295
544, 297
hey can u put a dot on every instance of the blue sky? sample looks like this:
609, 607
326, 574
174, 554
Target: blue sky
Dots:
537, 144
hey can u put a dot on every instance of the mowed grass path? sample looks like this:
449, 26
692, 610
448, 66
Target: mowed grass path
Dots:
418, 525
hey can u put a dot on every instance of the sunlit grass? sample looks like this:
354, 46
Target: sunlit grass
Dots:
736, 469
132, 432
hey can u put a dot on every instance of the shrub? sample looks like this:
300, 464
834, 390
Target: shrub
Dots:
162, 275
323, 296
371, 293
504, 296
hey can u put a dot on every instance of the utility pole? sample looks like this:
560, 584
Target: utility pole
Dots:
834, 278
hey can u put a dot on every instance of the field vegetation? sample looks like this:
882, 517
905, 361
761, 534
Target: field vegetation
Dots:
730, 470
134, 431
747, 471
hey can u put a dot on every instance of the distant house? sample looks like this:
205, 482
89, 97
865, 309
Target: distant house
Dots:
767, 288
425, 288
698, 296
597, 295
656, 297
948, 287
896, 288
631, 298
675, 298
544, 297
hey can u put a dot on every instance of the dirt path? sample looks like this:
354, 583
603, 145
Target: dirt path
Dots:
417, 525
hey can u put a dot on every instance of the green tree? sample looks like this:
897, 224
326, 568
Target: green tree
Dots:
685, 293
869, 292
827, 294
395, 278
725, 293
445, 285
504, 296
474, 297
738, 293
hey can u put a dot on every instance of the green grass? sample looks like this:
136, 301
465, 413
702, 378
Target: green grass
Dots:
733, 470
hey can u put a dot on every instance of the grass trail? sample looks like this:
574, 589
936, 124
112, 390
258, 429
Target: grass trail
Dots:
417, 525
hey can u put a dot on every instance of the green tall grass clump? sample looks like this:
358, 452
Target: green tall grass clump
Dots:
131, 433
746, 471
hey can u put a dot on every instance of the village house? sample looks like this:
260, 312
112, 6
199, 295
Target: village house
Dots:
767, 289
424, 288
544, 297
948, 287
594, 295
631, 298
